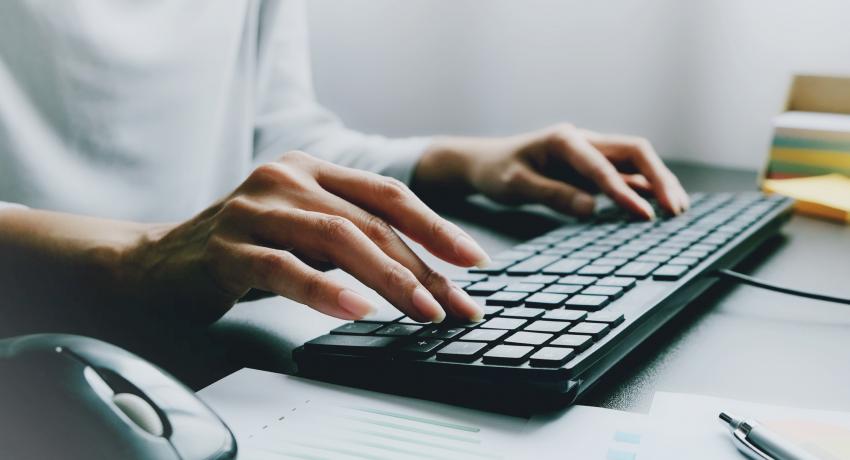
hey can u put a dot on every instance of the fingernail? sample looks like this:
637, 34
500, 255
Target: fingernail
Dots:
583, 203
464, 305
650, 213
467, 249
355, 304
428, 305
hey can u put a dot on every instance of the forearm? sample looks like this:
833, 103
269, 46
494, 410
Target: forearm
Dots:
53, 264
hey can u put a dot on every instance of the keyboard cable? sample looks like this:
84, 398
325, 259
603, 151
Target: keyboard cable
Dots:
746, 279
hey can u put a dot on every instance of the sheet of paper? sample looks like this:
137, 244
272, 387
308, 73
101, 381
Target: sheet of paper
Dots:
687, 426
279, 416
586, 433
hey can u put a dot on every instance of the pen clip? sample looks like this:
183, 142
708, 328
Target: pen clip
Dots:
749, 449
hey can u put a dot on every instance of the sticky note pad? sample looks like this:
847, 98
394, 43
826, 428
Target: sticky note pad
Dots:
824, 196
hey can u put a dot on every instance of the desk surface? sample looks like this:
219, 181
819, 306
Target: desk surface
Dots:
735, 341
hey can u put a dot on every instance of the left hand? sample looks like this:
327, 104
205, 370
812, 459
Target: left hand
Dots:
559, 166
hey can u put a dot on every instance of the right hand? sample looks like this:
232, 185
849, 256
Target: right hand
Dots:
298, 213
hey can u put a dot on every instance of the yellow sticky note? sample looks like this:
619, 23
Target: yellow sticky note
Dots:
825, 196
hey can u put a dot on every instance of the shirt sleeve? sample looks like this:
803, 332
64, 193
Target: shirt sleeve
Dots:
6, 205
288, 117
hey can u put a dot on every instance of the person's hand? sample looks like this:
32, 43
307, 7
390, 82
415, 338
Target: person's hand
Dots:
296, 215
558, 166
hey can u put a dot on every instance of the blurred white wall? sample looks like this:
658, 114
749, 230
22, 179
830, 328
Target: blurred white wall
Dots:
701, 79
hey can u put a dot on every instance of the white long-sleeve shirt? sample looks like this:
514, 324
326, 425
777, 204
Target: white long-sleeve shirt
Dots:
150, 110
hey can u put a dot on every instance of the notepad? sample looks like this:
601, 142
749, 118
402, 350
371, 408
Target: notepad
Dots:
276, 416
823, 196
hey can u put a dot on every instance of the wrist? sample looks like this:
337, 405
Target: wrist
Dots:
444, 165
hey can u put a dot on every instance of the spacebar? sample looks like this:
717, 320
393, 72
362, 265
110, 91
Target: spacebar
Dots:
350, 344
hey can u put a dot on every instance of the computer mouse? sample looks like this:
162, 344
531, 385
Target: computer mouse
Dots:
72, 397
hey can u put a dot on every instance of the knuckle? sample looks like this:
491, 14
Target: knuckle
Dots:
379, 231
396, 275
314, 286
433, 280
392, 189
238, 206
269, 264
336, 227
294, 156
274, 173
562, 133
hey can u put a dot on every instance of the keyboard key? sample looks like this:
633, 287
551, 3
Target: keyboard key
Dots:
637, 269
586, 302
523, 287
484, 335
589, 255
507, 354
609, 317
506, 299
610, 291
578, 342
541, 279
471, 277
407, 320
709, 248
577, 280
599, 270
670, 272
531, 265
486, 288
623, 254
619, 281
595, 330
490, 311
564, 315
522, 312
608, 260
547, 326
689, 261
356, 328
399, 330
694, 254
461, 351
500, 322
658, 259
551, 356
383, 315
352, 344
420, 349
545, 300
664, 251
442, 332
528, 338
565, 266
495, 267
562, 289
513, 255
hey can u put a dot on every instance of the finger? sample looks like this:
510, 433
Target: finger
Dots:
282, 273
338, 240
587, 160
397, 205
638, 182
642, 155
452, 298
533, 187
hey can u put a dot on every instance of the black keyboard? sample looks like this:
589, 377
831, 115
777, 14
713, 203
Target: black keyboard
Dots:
560, 309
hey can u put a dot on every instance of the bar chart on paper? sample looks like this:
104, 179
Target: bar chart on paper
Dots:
276, 416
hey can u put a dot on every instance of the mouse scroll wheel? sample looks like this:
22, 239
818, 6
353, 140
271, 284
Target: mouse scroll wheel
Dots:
140, 412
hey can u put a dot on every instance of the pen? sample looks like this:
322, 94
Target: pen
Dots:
757, 442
